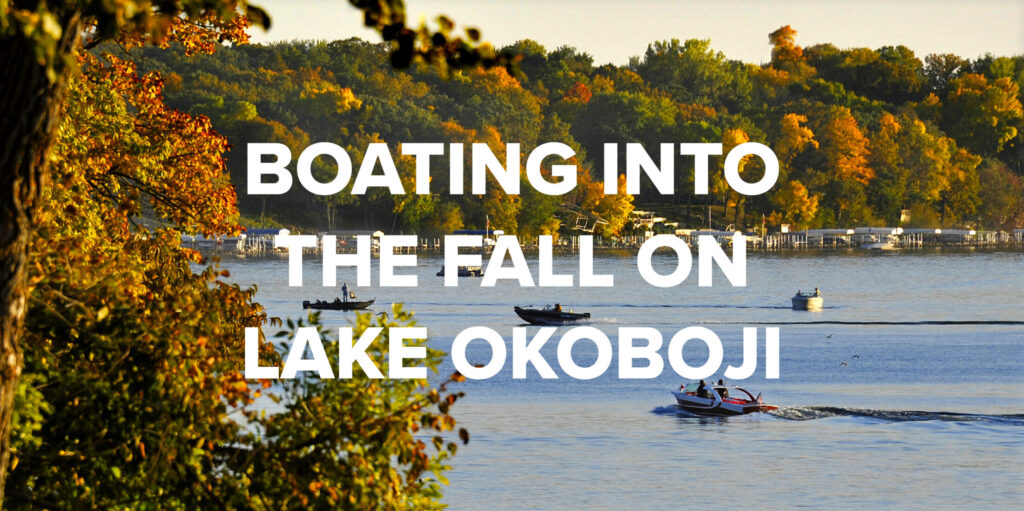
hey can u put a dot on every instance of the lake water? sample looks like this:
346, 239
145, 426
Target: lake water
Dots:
926, 413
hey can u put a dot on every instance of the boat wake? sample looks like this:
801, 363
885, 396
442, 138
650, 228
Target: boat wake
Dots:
952, 322
805, 413
675, 411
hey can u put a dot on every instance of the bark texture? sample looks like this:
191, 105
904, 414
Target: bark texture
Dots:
29, 116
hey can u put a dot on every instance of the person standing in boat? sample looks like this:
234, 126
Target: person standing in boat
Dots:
722, 391
344, 291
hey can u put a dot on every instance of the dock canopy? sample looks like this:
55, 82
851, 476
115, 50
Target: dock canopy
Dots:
480, 232
265, 232
878, 230
829, 232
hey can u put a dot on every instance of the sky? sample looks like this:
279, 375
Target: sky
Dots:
613, 31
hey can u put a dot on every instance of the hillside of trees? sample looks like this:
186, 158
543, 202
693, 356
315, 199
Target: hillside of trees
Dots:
861, 134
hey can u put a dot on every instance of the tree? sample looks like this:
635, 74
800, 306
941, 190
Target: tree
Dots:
38, 43
793, 139
891, 73
693, 73
1002, 195
941, 69
845, 147
982, 114
796, 204
889, 190
128, 352
787, 55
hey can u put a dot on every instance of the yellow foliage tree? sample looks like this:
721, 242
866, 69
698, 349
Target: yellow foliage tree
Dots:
845, 147
796, 205
793, 138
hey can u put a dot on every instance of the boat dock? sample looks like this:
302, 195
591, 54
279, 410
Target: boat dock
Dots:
261, 241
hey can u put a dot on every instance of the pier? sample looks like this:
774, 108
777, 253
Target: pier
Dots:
259, 242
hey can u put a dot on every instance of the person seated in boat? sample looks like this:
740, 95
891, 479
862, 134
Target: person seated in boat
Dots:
722, 391
558, 307
816, 292
702, 390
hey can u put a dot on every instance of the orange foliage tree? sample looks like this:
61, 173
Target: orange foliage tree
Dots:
131, 381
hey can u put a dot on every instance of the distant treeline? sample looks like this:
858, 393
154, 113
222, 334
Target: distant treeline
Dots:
862, 135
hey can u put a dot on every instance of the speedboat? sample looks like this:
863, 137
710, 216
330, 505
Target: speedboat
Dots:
736, 400
808, 301
465, 271
550, 315
337, 305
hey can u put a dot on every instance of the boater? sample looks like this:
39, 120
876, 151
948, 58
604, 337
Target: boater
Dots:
702, 390
344, 291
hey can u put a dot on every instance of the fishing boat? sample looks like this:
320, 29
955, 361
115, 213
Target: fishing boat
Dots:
337, 305
808, 301
465, 271
735, 401
550, 315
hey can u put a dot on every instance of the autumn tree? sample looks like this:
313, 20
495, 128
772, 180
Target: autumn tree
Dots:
787, 55
793, 138
38, 41
796, 205
38, 44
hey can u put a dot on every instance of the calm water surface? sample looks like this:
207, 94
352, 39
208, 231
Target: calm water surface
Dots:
927, 412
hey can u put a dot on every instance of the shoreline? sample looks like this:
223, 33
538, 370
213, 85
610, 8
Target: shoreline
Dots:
631, 251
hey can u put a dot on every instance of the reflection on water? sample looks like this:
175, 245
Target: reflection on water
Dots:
905, 392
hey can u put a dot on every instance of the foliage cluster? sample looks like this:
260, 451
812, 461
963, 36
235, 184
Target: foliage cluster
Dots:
862, 134
131, 395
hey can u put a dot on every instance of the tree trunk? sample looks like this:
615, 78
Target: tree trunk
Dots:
29, 106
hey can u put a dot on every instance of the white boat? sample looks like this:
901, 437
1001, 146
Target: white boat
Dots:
881, 245
736, 400
808, 301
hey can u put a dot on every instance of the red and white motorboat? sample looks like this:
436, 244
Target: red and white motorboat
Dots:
736, 401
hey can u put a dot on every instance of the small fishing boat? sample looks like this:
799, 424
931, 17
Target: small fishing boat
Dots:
465, 271
721, 400
550, 315
337, 305
808, 301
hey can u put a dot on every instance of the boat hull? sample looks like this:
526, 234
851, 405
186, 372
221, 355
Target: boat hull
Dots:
337, 306
466, 271
716, 406
550, 317
808, 303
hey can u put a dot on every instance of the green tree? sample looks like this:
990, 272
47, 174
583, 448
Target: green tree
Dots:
982, 114
693, 73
